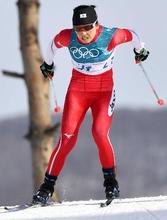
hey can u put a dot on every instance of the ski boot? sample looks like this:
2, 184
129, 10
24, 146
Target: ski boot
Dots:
111, 186
45, 191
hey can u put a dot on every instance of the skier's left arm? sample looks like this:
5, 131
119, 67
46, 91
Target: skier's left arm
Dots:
126, 35
141, 53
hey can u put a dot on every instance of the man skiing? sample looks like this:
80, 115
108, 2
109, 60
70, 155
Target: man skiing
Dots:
91, 47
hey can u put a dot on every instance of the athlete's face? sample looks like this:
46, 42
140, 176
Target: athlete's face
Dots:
86, 33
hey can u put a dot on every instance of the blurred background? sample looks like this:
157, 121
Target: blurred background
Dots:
139, 129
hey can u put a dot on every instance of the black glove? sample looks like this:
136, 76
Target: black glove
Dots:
47, 70
141, 55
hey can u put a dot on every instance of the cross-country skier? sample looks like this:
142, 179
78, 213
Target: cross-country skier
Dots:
92, 48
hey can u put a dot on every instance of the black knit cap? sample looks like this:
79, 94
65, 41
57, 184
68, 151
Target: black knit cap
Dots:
84, 14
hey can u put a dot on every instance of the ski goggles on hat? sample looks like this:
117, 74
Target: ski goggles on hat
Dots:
87, 27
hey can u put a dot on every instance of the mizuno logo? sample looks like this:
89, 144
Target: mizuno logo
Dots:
68, 135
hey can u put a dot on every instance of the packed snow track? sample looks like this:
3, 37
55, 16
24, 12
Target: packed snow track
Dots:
146, 208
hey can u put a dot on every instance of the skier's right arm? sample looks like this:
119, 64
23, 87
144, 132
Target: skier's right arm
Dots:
60, 40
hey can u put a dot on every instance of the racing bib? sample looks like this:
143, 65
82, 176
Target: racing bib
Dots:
92, 58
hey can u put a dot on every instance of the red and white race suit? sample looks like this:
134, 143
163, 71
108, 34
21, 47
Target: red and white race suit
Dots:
91, 86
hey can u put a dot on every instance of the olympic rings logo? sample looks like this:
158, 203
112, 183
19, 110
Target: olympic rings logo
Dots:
84, 52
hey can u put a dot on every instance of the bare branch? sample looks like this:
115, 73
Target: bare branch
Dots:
47, 131
52, 129
13, 74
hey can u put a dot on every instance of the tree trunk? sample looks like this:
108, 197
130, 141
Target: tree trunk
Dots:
37, 87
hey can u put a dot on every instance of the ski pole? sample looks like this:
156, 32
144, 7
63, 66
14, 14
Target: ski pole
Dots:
159, 100
57, 108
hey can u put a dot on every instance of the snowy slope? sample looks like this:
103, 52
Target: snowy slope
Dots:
148, 208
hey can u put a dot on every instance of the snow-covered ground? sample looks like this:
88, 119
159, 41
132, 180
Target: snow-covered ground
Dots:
147, 208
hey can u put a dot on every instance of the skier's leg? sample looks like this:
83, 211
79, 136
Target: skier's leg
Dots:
74, 110
100, 129
102, 111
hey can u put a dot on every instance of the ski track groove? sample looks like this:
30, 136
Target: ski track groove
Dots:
150, 212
